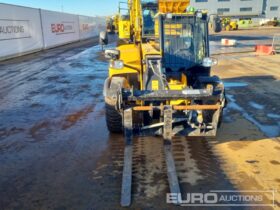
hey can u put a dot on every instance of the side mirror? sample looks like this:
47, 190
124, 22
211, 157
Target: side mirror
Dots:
103, 38
112, 54
217, 24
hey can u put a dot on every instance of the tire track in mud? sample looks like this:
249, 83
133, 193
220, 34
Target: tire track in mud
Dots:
195, 163
187, 169
198, 169
107, 175
14, 81
149, 178
15, 74
24, 69
49, 56
50, 95
149, 169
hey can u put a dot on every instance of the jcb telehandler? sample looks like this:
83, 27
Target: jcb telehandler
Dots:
159, 80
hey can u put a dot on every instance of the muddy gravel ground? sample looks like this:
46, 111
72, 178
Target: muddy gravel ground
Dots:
56, 152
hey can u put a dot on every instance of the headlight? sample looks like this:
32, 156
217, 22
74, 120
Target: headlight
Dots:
117, 64
208, 62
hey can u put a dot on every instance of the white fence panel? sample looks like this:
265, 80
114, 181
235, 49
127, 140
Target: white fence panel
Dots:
24, 30
91, 26
20, 30
59, 28
87, 27
101, 23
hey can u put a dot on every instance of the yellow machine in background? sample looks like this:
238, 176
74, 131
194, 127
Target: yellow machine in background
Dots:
159, 79
245, 23
116, 22
229, 24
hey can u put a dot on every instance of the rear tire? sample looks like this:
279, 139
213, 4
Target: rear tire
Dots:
113, 119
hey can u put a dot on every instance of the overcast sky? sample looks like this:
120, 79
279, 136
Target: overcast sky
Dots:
82, 7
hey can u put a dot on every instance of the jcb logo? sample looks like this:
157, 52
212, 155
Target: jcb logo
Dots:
57, 28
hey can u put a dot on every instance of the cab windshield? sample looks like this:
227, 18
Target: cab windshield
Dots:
184, 42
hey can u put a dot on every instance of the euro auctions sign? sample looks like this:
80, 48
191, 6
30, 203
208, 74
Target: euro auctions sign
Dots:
14, 29
224, 198
63, 28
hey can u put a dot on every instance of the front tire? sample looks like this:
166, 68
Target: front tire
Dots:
113, 119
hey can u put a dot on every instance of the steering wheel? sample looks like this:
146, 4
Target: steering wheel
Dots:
183, 51
180, 50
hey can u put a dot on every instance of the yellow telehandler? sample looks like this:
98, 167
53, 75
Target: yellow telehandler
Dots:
159, 80
229, 25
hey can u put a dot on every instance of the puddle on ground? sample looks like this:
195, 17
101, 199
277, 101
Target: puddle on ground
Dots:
256, 106
268, 130
235, 84
90, 52
273, 116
